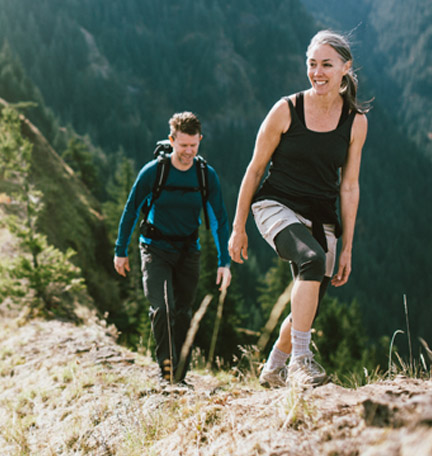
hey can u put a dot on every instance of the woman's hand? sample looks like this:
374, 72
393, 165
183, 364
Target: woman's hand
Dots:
344, 270
238, 245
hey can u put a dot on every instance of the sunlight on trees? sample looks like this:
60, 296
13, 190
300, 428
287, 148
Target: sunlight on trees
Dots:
39, 275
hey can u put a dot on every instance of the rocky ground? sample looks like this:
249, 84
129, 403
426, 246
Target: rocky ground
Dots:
71, 390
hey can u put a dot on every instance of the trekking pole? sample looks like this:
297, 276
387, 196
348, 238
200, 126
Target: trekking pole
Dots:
169, 331
190, 336
222, 297
275, 314
277, 310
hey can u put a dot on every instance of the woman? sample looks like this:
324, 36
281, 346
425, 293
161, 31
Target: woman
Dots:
314, 140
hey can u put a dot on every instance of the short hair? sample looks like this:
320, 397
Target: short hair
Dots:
184, 122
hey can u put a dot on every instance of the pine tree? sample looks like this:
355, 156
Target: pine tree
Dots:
40, 276
273, 285
229, 337
132, 316
341, 340
79, 157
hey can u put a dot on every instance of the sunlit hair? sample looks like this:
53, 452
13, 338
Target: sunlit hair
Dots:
184, 122
349, 84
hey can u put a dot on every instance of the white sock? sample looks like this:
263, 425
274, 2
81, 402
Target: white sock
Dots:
300, 342
277, 358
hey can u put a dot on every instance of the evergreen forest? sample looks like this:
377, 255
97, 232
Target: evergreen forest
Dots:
100, 80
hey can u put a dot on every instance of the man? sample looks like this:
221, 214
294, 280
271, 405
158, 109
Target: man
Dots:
169, 241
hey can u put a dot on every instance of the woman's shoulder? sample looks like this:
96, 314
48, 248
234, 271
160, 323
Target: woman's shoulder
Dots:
359, 128
360, 122
285, 100
281, 112
286, 109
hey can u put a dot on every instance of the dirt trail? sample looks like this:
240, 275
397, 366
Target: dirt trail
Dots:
67, 389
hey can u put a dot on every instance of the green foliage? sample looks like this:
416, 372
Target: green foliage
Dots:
116, 72
339, 332
40, 274
392, 48
131, 318
270, 288
78, 156
277, 278
17, 88
118, 189
40, 280
229, 338
15, 153
341, 339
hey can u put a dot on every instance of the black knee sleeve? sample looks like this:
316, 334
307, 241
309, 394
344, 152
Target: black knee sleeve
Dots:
312, 266
296, 243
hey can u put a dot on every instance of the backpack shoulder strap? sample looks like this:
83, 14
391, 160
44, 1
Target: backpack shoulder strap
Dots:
162, 170
202, 173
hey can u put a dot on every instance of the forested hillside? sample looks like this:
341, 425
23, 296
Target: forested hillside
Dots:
113, 73
394, 42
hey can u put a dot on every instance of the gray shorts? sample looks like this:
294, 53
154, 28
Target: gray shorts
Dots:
272, 217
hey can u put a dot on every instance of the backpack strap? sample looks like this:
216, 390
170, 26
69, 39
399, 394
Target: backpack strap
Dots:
202, 173
162, 170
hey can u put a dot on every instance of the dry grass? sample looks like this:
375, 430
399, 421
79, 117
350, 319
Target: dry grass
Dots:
71, 390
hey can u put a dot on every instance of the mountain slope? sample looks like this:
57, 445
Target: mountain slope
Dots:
117, 71
394, 44
68, 389
392, 54
72, 218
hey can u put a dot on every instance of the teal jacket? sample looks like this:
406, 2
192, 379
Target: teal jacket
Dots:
175, 213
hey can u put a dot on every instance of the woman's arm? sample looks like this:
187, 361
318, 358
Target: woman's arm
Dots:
274, 125
349, 197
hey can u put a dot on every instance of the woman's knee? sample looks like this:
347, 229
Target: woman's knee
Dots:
312, 265
296, 243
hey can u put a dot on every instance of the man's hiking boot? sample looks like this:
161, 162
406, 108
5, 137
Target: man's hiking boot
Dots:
166, 374
305, 371
168, 381
184, 384
273, 378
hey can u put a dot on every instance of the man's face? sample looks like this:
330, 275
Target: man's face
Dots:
185, 149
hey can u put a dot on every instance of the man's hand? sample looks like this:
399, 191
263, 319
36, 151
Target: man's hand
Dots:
223, 278
121, 265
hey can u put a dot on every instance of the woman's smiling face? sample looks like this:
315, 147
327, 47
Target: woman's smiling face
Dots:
325, 69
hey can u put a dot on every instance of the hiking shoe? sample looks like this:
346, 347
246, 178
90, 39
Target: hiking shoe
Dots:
166, 373
273, 378
184, 384
304, 370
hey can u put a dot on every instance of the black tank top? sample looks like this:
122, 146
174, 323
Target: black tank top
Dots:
304, 170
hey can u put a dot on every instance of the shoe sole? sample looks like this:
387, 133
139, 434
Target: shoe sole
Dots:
309, 382
267, 384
